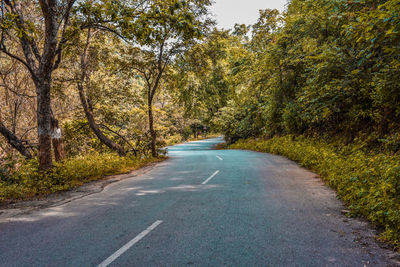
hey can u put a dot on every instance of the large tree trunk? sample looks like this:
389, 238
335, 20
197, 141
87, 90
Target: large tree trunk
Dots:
14, 141
153, 134
93, 125
44, 123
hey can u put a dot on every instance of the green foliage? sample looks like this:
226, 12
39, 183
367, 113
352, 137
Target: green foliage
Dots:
203, 74
238, 122
323, 67
113, 76
173, 140
28, 181
368, 183
183, 21
79, 139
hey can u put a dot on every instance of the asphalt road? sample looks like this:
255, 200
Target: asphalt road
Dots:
201, 207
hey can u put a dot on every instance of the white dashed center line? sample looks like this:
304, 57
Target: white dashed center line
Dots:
219, 158
128, 245
209, 178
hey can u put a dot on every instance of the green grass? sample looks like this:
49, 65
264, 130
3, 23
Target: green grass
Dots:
28, 182
368, 183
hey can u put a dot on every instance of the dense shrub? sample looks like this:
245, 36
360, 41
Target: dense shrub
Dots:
174, 139
369, 184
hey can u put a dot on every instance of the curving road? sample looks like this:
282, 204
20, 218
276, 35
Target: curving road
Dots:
201, 207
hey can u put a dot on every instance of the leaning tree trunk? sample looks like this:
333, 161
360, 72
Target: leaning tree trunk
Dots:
153, 134
93, 125
86, 102
14, 141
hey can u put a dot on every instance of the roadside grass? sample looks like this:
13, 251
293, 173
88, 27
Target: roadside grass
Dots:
27, 182
368, 183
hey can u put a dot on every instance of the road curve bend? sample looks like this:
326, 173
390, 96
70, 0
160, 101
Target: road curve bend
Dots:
201, 207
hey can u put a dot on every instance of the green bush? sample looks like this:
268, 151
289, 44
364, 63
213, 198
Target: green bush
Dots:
172, 140
369, 184
27, 181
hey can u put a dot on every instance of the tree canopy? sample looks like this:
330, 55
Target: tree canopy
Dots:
130, 76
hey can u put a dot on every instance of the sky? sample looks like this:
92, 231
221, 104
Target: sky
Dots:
229, 12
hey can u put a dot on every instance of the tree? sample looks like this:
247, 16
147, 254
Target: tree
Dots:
94, 20
41, 60
204, 73
29, 22
168, 28
84, 78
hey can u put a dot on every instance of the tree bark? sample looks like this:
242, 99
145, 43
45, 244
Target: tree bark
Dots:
14, 141
44, 123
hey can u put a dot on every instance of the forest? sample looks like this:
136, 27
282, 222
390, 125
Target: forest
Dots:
97, 87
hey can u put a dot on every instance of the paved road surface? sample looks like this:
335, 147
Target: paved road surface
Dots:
202, 207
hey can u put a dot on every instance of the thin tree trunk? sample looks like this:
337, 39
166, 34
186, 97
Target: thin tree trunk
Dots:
151, 128
14, 141
152, 89
122, 137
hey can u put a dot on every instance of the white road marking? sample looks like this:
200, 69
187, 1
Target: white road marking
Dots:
209, 178
128, 245
219, 158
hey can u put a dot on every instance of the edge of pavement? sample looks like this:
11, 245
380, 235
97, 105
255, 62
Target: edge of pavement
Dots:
60, 198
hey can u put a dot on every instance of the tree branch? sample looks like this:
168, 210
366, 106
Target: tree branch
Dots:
26, 43
119, 135
63, 32
15, 92
4, 50
104, 28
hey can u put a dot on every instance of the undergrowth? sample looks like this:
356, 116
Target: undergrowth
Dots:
27, 181
176, 139
368, 183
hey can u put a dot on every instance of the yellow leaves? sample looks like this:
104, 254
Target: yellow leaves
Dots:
390, 32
